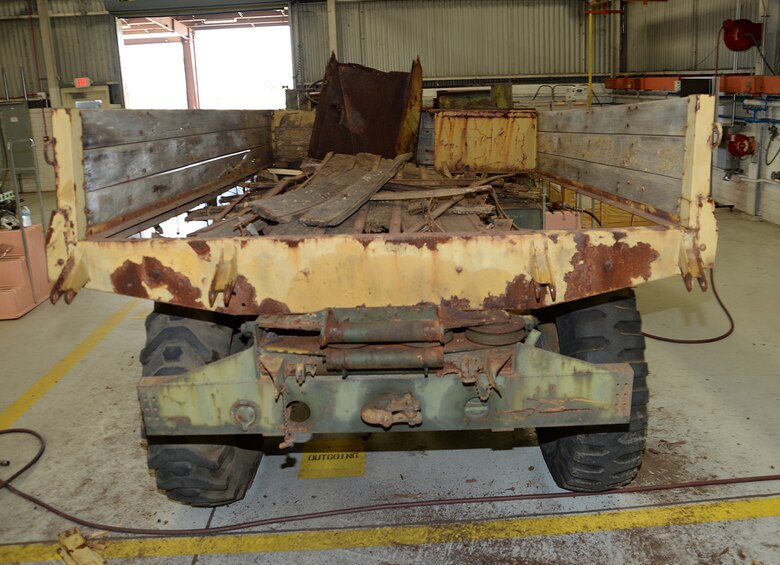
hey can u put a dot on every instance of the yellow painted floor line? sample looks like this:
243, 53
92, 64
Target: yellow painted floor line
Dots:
683, 514
42, 385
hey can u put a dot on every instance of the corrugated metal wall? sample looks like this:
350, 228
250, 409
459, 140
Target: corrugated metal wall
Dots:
681, 35
84, 37
454, 38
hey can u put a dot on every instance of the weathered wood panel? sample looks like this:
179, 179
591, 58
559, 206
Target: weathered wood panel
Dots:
632, 154
663, 117
653, 190
662, 155
122, 204
292, 133
333, 175
335, 210
108, 166
141, 164
103, 128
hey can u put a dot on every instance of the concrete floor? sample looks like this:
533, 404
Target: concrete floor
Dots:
713, 413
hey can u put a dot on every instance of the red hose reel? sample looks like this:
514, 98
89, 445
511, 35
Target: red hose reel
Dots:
741, 35
741, 145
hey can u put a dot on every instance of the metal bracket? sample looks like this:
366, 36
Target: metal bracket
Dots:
73, 278
691, 264
541, 273
224, 280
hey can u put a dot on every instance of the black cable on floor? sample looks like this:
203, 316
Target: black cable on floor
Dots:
701, 341
343, 511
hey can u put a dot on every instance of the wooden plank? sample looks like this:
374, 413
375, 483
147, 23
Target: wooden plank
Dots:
662, 155
294, 228
429, 193
414, 184
459, 224
338, 208
395, 219
110, 166
662, 117
645, 188
331, 178
435, 213
122, 204
104, 128
380, 216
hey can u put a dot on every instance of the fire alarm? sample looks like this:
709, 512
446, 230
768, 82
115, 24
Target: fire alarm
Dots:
741, 35
82, 82
741, 145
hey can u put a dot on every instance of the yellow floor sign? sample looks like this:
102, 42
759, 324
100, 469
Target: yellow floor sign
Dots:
332, 458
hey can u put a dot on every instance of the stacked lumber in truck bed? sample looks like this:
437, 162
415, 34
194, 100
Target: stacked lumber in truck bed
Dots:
365, 193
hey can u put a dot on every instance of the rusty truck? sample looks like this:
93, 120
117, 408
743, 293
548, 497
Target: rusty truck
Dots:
285, 333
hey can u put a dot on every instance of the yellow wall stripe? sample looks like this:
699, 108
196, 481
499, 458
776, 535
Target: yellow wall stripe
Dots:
42, 385
698, 513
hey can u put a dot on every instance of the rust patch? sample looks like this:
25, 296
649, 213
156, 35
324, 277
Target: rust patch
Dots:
271, 306
519, 293
600, 268
243, 299
453, 302
127, 280
291, 242
201, 248
365, 110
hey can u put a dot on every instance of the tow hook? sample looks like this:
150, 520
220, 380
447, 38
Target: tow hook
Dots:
389, 409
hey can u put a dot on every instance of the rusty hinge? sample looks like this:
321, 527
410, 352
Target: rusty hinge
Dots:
73, 278
225, 275
691, 264
541, 272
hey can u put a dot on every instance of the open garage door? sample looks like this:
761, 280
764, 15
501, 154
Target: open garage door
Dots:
142, 8
206, 60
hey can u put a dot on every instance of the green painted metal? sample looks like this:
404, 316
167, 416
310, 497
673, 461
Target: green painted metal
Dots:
382, 325
232, 396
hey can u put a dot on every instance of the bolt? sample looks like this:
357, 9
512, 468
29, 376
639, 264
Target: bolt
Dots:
245, 415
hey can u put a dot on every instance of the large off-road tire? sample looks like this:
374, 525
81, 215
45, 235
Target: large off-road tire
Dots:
202, 471
604, 329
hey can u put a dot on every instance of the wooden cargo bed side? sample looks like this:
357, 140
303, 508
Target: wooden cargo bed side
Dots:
632, 154
140, 167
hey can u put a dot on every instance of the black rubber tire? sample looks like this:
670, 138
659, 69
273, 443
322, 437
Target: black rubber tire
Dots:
604, 329
202, 471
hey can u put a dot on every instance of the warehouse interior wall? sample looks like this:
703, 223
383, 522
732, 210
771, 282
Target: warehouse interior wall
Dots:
681, 36
85, 43
453, 38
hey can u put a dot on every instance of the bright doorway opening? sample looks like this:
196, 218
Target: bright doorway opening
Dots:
153, 76
246, 68
241, 60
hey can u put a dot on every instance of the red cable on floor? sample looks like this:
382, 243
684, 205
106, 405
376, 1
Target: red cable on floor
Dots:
343, 511
700, 341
